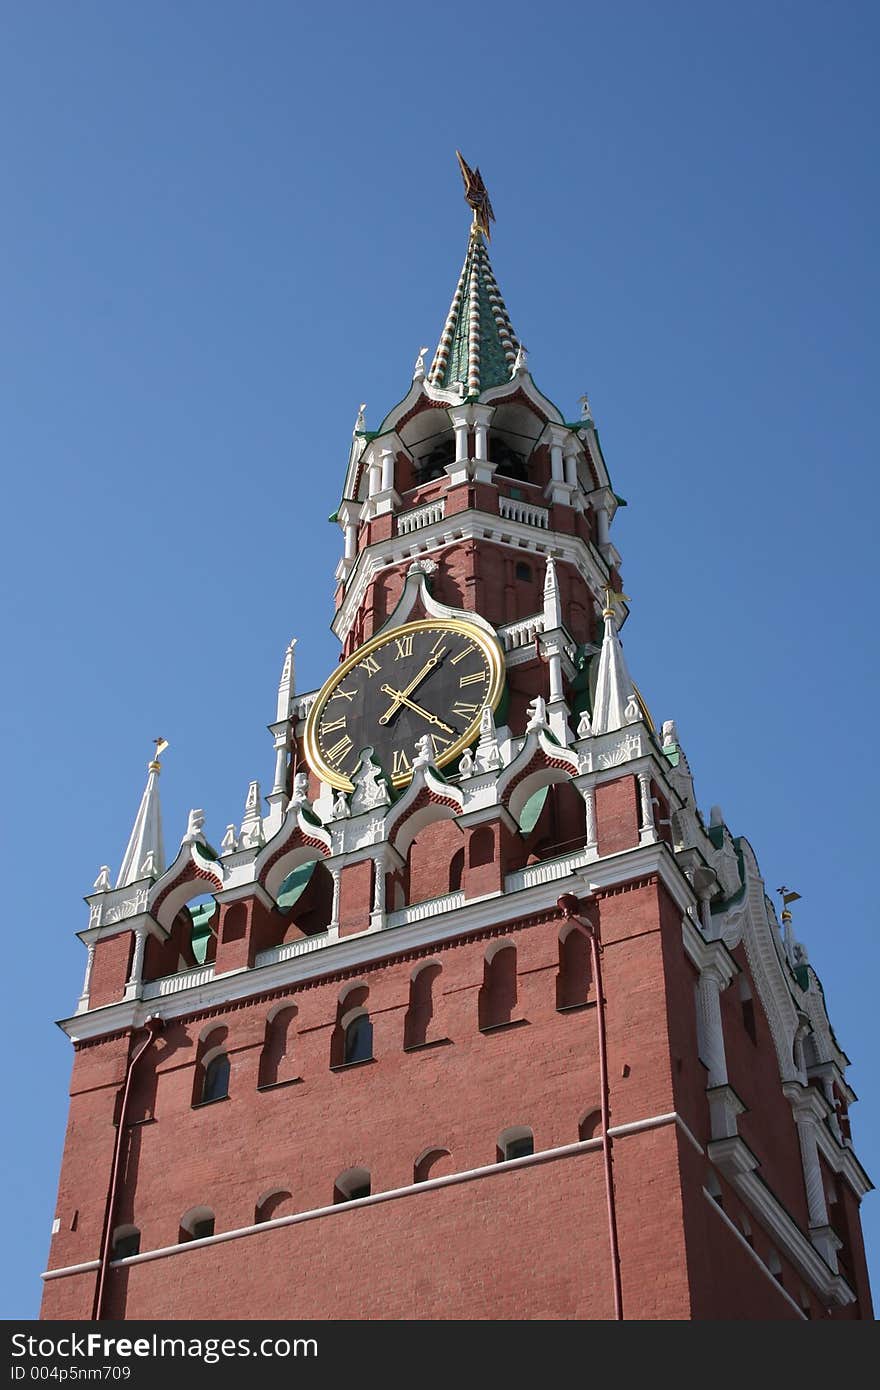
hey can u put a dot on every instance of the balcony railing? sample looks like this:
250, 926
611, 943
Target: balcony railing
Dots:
421, 516
547, 871
520, 634
292, 948
418, 912
524, 512
184, 979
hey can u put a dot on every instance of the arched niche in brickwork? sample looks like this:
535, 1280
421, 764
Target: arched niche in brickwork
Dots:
416, 820
429, 858
278, 1053
590, 1124
433, 1163
497, 999
278, 1201
574, 975
418, 1026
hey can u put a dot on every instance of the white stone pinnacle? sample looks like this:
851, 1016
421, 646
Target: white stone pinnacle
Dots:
615, 704
146, 835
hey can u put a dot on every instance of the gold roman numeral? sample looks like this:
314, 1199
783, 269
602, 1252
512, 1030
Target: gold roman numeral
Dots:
401, 764
341, 694
439, 743
370, 665
330, 725
440, 640
404, 646
464, 710
340, 750
476, 679
465, 651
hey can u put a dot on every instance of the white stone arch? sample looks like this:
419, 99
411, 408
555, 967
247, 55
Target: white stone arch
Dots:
414, 824
164, 905
291, 859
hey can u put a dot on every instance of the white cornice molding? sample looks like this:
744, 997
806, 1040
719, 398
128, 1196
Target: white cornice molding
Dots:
368, 947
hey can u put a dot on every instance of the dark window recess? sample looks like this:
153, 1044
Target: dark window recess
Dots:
524, 572
359, 1039
202, 1229
431, 466
519, 1148
216, 1083
125, 1245
748, 1018
356, 1192
508, 463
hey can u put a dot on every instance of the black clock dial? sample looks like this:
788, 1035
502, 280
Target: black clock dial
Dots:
425, 679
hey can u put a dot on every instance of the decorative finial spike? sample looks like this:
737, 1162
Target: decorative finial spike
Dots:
476, 196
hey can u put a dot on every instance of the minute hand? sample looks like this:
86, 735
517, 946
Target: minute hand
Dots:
401, 699
402, 695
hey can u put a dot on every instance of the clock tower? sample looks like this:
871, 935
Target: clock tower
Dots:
475, 1015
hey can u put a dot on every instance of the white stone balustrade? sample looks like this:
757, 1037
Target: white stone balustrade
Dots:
523, 512
421, 516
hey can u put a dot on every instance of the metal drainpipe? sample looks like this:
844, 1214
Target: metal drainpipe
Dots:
569, 906
152, 1025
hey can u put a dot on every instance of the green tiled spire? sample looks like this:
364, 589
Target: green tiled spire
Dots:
478, 347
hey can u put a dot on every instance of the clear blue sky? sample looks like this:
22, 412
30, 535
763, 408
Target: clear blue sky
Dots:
225, 225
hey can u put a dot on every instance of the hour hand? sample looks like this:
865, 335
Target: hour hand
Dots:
401, 699
400, 696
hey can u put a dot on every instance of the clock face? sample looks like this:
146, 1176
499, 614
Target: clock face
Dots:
432, 678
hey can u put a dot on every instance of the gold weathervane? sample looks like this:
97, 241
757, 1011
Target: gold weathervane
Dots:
788, 896
475, 196
161, 745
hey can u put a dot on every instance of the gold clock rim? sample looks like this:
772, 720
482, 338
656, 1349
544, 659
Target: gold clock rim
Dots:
489, 645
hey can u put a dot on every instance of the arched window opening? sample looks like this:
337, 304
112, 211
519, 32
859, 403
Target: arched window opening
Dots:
590, 1125
277, 1059
272, 1205
456, 870
434, 459
215, 1083
305, 899
517, 1142
358, 1045
351, 1185
747, 1007
420, 1011
553, 824
432, 1164
523, 572
196, 1224
126, 1242
509, 461
352, 1004
497, 998
573, 976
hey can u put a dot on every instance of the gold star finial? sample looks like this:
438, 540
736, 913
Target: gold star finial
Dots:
476, 196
